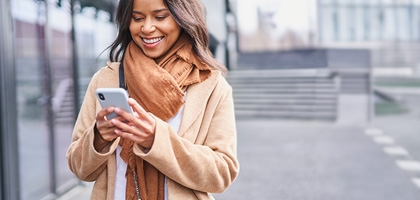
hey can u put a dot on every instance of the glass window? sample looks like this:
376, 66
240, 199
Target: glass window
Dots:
63, 106
359, 23
29, 20
403, 21
390, 27
375, 26
326, 1
43, 68
327, 17
415, 24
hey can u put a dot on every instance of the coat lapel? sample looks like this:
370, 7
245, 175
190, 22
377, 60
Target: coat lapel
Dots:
195, 103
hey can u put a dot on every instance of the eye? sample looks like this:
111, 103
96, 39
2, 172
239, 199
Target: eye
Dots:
160, 18
137, 18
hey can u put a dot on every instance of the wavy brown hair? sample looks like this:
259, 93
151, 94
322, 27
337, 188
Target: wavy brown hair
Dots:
189, 15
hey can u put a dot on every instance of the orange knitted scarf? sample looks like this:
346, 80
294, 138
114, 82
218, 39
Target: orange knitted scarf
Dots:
159, 89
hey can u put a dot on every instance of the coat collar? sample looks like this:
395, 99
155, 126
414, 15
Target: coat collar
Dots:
196, 100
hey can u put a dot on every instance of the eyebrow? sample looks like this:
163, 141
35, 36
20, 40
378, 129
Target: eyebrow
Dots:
154, 11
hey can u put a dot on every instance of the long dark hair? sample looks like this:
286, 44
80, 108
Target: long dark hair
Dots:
188, 14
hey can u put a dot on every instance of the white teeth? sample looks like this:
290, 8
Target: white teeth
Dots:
151, 41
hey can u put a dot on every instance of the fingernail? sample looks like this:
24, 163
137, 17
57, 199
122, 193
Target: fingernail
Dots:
117, 110
113, 121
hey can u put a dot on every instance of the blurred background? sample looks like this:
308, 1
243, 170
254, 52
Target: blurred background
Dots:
353, 63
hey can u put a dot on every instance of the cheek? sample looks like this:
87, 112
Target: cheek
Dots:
174, 28
134, 29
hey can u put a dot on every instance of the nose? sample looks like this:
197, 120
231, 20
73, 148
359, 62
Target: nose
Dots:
148, 27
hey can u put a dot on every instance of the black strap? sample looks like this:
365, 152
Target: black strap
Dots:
121, 75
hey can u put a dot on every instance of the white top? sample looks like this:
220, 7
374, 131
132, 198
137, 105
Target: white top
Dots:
121, 181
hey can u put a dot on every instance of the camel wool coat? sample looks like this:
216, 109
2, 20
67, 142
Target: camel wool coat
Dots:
198, 160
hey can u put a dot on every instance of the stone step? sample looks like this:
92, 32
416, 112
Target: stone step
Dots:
294, 94
276, 73
278, 79
282, 90
297, 101
283, 96
327, 115
282, 85
66, 112
63, 120
282, 107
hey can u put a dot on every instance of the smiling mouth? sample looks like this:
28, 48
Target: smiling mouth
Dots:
152, 41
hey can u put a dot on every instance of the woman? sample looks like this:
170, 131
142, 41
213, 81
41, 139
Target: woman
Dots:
181, 141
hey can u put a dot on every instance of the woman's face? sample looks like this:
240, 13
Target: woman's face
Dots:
152, 28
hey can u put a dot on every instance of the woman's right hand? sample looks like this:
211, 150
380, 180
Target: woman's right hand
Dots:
104, 129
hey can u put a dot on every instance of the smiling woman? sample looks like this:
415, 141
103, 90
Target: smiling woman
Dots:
180, 143
153, 29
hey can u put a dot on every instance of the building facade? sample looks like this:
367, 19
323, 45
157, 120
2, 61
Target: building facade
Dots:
369, 20
390, 29
42, 78
49, 51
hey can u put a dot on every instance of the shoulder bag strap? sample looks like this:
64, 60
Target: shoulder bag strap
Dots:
121, 75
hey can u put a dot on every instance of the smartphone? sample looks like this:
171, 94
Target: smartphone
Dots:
117, 97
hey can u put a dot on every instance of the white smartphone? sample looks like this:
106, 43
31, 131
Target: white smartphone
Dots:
117, 97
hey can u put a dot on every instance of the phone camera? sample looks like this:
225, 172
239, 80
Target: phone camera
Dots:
101, 96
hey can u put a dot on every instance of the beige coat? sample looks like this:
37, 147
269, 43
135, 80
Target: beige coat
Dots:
199, 160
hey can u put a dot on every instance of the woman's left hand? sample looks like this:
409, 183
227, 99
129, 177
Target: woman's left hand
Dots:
140, 127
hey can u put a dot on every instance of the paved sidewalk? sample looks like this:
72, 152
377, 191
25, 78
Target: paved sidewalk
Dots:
81, 192
314, 161
311, 161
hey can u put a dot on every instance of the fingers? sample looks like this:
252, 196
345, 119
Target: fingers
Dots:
141, 113
135, 126
140, 127
106, 131
134, 133
104, 112
104, 127
138, 109
147, 121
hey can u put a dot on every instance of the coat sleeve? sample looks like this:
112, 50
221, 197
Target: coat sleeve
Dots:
83, 160
207, 165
